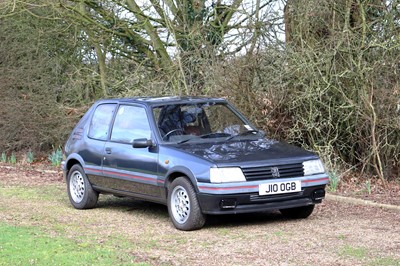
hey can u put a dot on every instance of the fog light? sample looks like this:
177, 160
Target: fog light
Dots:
228, 203
318, 194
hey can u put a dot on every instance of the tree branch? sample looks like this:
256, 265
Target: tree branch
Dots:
158, 45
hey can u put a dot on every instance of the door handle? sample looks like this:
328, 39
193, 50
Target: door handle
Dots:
108, 150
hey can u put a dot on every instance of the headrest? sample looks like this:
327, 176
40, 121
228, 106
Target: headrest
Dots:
188, 117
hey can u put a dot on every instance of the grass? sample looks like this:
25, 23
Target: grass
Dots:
75, 235
30, 246
385, 261
223, 231
355, 252
34, 193
120, 231
361, 253
279, 234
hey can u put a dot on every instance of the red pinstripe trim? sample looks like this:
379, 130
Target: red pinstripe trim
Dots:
129, 175
93, 170
226, 188
121, 174
316, 180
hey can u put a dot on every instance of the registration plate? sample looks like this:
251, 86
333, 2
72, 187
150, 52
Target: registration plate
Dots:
279, 187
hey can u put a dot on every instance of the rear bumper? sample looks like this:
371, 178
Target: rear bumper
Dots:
64, 169
252, 202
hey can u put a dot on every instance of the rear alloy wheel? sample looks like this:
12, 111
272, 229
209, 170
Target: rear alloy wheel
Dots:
80, 191
183, 207
298, 212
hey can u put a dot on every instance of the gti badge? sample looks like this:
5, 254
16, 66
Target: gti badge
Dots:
275, 172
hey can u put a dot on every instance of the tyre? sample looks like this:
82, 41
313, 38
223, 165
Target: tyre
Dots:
298, 212
80, 191
183, 206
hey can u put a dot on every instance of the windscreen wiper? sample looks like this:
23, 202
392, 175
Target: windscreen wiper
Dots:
206, 136
244, 133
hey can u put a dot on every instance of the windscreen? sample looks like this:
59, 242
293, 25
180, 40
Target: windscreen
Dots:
196, 122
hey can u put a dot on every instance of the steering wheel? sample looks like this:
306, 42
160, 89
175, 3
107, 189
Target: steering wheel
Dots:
166, 136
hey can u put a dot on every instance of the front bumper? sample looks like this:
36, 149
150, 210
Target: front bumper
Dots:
252, 202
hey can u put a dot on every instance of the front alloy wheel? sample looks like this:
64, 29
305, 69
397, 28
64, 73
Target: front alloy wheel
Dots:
180, 204
183, 207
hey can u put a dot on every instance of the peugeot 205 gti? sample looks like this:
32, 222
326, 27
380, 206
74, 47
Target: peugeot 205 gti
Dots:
198, 156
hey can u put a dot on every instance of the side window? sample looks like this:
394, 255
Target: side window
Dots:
130, 123
101, 121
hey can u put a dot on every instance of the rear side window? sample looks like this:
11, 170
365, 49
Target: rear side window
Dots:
100, 124
130, 123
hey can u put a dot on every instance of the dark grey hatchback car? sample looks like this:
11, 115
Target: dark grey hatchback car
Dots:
198, 156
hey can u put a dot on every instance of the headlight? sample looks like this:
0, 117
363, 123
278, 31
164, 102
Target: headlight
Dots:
313, 167
224, 175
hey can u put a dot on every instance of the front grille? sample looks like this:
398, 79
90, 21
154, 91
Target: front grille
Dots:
273, 172
280, 197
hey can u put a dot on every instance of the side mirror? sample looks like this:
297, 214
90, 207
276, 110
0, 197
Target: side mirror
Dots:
142, 143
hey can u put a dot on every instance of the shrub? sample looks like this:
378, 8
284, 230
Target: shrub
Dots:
55, 157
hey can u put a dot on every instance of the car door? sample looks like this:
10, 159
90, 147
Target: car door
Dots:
132, 170
92, 151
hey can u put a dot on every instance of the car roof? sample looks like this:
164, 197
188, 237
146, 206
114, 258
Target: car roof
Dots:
157, 101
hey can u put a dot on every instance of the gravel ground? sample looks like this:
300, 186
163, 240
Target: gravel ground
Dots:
337, 233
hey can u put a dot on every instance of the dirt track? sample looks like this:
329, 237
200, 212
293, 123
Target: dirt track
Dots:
337, 233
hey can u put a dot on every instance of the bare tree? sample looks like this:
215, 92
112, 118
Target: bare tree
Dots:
177, 38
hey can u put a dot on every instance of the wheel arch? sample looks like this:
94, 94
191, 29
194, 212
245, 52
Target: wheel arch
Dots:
176, 172
71, 161
183, 205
